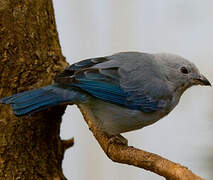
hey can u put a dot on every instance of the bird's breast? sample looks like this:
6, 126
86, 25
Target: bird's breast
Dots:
114, 119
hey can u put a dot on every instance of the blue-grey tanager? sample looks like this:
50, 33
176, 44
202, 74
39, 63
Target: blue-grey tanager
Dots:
122, 92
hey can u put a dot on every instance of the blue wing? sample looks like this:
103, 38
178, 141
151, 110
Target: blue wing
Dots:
105, 84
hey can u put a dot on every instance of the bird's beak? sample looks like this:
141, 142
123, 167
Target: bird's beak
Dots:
202, 80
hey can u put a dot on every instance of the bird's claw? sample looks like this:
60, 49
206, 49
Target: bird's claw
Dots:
116, 139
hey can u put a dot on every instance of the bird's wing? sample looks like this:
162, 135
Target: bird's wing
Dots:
128, 84
70, 70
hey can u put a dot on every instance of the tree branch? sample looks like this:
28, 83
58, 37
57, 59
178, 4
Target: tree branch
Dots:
136, 157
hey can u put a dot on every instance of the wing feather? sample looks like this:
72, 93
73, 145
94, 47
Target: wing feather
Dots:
136, 84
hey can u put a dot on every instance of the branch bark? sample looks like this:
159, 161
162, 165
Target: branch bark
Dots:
136, 157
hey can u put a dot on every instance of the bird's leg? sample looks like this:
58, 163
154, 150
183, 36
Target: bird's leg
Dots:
116, 139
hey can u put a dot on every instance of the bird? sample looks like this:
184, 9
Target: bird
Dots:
122, 92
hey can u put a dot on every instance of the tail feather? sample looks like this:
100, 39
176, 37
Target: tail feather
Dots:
35, 107
16, 97
32, 101
39, 99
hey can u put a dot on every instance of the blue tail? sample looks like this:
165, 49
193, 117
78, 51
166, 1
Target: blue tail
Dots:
39, 99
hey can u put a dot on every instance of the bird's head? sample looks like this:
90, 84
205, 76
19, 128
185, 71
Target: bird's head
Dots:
181, 73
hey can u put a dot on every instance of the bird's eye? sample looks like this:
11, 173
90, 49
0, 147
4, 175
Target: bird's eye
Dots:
184, 70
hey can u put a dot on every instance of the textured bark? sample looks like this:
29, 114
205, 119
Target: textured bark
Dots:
30, 56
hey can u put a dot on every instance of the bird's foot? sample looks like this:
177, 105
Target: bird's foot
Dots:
116, 139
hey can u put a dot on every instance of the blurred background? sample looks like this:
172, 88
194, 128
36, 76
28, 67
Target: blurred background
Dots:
98, 28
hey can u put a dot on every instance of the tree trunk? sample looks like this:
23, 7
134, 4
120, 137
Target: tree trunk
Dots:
30, 56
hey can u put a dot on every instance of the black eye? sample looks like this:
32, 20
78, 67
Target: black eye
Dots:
184, 70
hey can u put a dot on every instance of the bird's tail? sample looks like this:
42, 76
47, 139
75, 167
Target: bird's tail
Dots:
38, 99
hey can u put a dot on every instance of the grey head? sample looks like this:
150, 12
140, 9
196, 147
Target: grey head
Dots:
180, 73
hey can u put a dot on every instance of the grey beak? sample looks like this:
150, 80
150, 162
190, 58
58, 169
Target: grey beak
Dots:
203, 81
